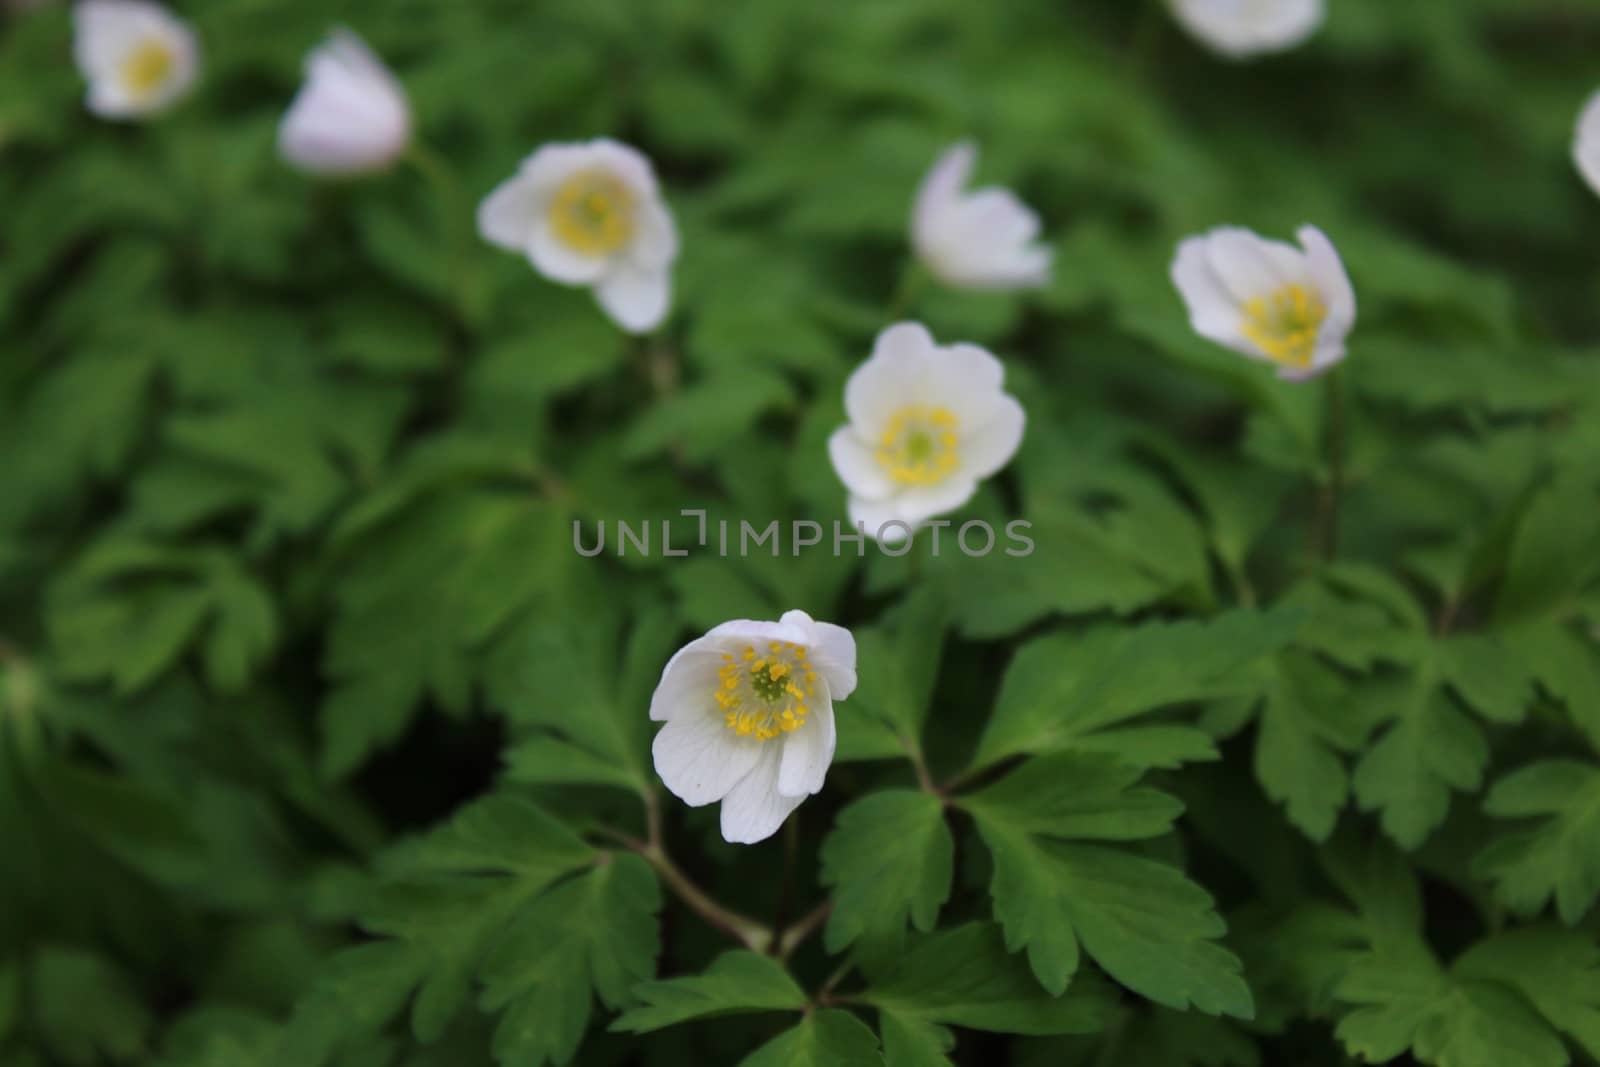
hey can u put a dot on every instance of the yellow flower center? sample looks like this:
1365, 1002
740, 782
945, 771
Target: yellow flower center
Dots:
147, 67
1285, 323
592, 212
766, 693
918, 447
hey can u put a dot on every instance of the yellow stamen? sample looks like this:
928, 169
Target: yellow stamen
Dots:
920, 446
765, 697
1285, 323
147, 67
592, 212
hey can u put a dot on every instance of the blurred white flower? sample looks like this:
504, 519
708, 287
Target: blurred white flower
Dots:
927, 423
590, 214
977, 240
1290, 306
1241, 28
1586, 143
137, 57
749, 718
350, 116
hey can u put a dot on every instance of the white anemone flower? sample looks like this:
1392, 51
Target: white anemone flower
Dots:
981, 239
137, 57
1292, 307
749, 718
1239, 29
927, 424
1586, 143
350, 117
590, 214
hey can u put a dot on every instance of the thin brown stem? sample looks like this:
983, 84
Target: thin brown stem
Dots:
750, 933
824, 994
807, 925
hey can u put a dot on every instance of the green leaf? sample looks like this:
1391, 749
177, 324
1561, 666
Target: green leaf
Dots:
965, 977
1406, 1003
1075, 795
84, 1010
828, 1038
451, 900
1430, 748
435, 580
889, 859
905, 653
596, 931
1066, 686
1558, 972
912, 1042
1567, 665
587, 681
1556, 857
1143, 922
1555, 550
1310, 717
130, 608
736, 982
708, 416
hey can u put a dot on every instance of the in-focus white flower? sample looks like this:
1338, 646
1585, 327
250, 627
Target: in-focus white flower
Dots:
749, 718
1242, 28
137, 57
1290, 306
1586, 143
927, 424
976, 240
350, 117
590, 214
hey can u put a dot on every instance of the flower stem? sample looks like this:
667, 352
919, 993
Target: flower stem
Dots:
750, 933
808, 924
1333, 486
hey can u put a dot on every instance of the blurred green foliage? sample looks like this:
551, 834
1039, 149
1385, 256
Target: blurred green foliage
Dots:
319, 744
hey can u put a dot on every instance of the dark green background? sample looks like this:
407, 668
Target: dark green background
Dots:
289, 471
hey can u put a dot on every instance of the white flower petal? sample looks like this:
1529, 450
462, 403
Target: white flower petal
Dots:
876, 516
877, 388
1338, 296
350, 116
1249, 266
833, 649
940, 190
1214, 312
656, 245
506, 215
739, 632
754, 809
559, 261
636, 298
919, 503
991, 447
964, 378
632, 279
977, 240
1586, 143
807, 752
857, 467
687, 677
107, 33
1241, 28
700, 760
